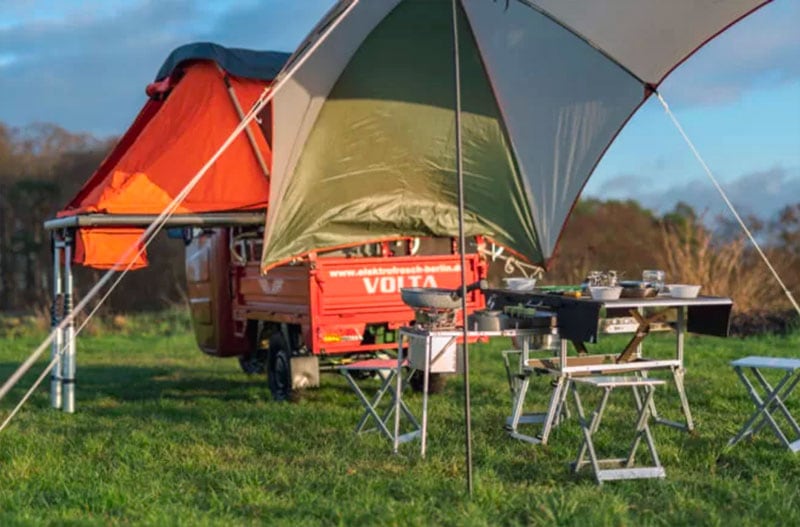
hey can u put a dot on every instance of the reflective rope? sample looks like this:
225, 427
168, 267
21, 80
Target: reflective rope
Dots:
728, 202
27, 395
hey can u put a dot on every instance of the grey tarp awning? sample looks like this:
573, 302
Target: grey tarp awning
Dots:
363, 132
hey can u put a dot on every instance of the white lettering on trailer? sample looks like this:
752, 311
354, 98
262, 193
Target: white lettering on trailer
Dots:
408, 270
392, 284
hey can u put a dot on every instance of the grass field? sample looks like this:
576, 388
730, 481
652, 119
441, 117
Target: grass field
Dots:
164, 435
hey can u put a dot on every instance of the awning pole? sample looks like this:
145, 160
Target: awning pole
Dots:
56, 312
462, 250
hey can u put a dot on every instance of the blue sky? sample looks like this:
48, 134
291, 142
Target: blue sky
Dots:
84, 65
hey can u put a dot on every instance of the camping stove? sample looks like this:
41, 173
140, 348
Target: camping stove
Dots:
435, 319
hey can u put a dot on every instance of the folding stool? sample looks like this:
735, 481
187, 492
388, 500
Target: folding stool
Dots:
590, 427
771, 400
386, 370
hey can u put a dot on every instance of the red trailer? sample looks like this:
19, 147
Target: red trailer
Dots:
314, 312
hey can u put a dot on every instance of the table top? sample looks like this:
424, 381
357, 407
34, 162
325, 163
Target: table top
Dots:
578, 318
664, 300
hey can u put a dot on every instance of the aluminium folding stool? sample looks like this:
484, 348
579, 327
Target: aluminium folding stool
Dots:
771, 399
624, 467
386, 370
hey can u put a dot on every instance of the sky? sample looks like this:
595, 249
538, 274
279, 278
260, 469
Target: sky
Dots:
84, 64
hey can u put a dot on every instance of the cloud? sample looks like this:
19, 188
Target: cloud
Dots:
761, 193
277, 25
763, 48
84, 65
86, 69
88, 72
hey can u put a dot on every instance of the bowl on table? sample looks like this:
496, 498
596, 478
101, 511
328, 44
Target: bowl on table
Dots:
605, 292
520, 284
683, 290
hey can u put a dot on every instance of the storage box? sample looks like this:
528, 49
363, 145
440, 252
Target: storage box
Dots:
443, 353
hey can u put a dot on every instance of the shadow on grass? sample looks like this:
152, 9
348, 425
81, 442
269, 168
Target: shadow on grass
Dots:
142, 383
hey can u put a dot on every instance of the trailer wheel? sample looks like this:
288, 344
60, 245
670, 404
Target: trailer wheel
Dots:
279, 368
255, 362
436, 382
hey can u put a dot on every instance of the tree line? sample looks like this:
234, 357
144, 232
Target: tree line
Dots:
42, 166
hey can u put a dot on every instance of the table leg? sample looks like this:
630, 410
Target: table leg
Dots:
425, 386
398, 390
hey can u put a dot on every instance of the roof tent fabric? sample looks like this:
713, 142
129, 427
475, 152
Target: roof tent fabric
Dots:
175, 134
363, 132
247, 63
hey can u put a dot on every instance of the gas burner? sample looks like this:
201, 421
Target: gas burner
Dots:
431, 318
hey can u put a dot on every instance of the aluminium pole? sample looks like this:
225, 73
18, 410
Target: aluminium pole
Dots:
56, 312
68, 358
462, 249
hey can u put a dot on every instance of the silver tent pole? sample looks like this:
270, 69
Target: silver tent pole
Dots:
462, 249
68, 358
55, 318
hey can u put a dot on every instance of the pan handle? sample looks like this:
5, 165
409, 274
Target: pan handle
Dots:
480, 284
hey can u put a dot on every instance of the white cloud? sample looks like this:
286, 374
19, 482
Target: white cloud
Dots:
762, 193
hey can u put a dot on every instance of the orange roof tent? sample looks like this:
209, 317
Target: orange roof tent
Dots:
190, 112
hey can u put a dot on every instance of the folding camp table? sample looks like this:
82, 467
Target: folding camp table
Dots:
387, 370
624, 466
583, 320
771, 400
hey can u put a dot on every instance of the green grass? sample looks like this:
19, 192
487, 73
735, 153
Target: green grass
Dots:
164, 435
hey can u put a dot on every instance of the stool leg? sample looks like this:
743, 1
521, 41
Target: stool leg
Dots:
553, 407
370, 410
778, 404
519, 401
762, 407
588, 430
403, 406
643, 427
385, 385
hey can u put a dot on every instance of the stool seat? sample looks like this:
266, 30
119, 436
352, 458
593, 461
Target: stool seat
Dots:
616, 381
372, 365
774, 363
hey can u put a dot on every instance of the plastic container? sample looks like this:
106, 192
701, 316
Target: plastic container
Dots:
605, 292
683, 290
520, 284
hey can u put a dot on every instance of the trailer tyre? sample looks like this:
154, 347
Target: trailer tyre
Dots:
279, 368
436, 382
255, 362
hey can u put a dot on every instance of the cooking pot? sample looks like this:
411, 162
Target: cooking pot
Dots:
488, 320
